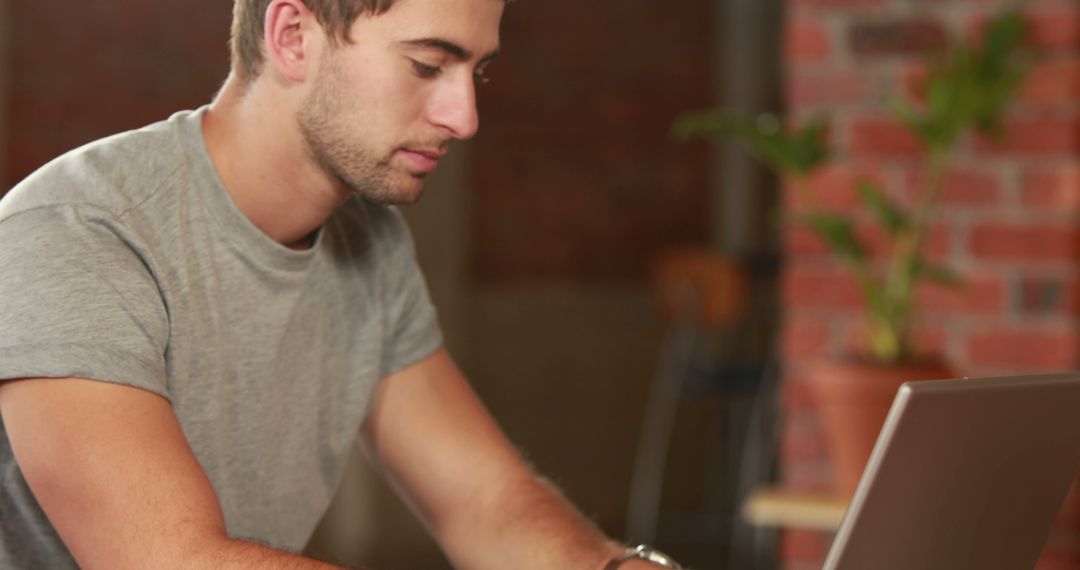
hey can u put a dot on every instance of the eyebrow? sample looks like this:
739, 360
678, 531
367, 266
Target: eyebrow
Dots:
454, 50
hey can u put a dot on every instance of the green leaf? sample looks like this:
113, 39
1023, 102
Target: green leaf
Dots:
797, 152
938, 274
809, 145
837, 231
997, 69
885, 210
907, 116
877, 303
1002, 36
968, 87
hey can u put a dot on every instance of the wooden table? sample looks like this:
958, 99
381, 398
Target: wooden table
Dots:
783, 508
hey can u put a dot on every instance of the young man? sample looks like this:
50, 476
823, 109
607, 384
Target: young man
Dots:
200, 316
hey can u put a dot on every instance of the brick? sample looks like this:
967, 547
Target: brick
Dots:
883, 137
804, 339
806, 475
803, 547
834, 186
612, 218
803, 440
1055, 188
800, 242
1054, 29
977, 189
982, 295
937, 244
1038, 136
913, 78
797, 396
1027, 349
805, 245
1071, 298
929, 340
1042, 242
108, 66
807, 41
937, 241
960, 187
1049, 295
896, 37
824, 89
820, 289
1052, 84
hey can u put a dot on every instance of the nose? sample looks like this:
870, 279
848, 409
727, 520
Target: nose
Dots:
453, 109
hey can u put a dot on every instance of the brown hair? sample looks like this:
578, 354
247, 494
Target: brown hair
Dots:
336, 16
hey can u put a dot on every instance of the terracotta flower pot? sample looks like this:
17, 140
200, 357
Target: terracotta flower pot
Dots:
853, 397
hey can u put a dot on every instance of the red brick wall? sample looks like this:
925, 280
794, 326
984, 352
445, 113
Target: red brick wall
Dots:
575, 176
82, 70
1009, 216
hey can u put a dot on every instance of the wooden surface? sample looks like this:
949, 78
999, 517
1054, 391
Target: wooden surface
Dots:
782, 508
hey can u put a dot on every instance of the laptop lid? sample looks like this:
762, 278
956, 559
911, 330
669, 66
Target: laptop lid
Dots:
965, 474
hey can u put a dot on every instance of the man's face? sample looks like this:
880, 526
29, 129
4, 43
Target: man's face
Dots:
382, 109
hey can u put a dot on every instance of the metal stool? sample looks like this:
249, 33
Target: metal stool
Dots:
701, 293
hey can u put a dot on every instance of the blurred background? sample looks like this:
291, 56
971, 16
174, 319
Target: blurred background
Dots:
631, 307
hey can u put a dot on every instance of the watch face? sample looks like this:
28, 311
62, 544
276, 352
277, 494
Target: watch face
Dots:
647, 553
657, 557
660, 558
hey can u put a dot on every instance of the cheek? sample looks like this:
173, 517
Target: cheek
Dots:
387, 102
407, 101
404, 95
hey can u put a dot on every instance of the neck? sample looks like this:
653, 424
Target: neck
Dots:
260, 156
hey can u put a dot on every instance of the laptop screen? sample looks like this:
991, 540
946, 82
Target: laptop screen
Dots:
965, 473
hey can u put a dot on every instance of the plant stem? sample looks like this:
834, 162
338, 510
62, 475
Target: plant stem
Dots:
906, 256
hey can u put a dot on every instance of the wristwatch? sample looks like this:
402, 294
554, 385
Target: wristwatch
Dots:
646, 553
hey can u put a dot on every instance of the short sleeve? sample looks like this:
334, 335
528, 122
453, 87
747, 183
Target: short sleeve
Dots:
78, 299
414, 331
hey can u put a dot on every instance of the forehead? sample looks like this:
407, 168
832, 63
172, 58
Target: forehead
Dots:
471, 24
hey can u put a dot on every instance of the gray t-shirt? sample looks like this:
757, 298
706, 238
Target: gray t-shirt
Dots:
126, 261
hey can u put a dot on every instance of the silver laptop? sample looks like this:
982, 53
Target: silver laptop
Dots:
966, 474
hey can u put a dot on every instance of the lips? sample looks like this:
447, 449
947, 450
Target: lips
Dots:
423, 160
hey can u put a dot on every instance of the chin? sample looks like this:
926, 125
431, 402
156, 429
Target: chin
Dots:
405, 199
402, 195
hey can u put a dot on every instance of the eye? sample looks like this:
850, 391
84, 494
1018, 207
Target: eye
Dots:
480, 76
424, 70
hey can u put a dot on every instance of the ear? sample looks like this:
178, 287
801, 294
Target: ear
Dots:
289, 38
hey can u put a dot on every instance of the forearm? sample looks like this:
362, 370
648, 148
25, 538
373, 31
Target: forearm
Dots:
528, 525
442, 450
241, 555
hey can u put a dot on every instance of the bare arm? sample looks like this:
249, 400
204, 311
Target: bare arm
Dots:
440, 447
112, 470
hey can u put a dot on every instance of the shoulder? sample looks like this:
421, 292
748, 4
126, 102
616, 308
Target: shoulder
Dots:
113, 174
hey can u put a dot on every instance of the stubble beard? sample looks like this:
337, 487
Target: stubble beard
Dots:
339, 151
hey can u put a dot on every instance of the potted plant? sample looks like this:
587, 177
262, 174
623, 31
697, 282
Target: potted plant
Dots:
965, 90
